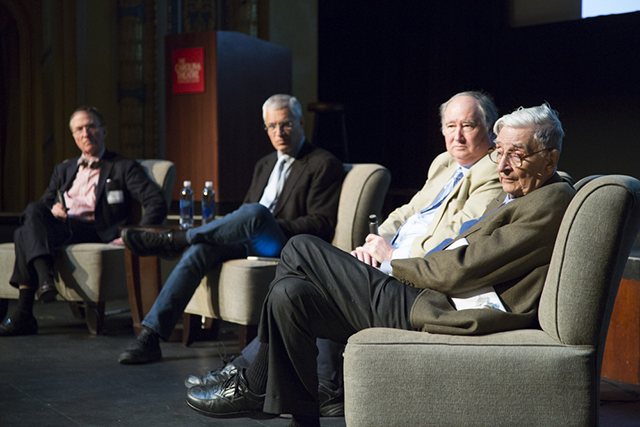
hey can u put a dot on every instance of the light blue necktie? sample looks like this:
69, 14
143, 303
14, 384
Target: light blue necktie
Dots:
279, 182
446, 190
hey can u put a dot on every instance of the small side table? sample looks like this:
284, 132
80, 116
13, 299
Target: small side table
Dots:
621, 358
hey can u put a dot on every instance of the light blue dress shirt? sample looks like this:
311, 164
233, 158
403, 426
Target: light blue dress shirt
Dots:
418, 224
278, 176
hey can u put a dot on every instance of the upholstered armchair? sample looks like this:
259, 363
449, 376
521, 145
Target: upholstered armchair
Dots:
543, 377
235, 291
89, 274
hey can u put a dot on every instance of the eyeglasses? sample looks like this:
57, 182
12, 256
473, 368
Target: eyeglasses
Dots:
285, 126
515, 159
90, 128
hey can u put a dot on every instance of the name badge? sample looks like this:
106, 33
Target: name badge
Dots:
114, 197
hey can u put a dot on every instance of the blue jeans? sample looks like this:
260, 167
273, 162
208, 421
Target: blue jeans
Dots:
250, 230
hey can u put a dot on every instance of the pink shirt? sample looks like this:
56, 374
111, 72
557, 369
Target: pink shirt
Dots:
81, 197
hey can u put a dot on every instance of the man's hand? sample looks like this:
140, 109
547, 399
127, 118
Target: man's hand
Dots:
375, 251
118, 242
59, 211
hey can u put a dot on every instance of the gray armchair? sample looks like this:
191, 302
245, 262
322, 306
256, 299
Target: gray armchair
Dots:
549, 376
89, 274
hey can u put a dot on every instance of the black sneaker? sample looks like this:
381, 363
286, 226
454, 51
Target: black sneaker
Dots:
331, 402
218, 376
230, 399
149, 243
145, 349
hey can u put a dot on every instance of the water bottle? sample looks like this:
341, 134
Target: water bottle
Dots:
208, 203
186, 206
373, 224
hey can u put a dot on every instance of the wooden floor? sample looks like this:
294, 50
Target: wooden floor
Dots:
66, 377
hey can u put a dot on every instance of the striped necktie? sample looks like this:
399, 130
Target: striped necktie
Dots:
448, 188
279, 183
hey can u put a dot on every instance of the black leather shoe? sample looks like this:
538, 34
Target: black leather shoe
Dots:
229, 399
146, 349
24, 326
149, 243
46, 292
212, 378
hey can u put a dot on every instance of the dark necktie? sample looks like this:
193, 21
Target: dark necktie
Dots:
86, 163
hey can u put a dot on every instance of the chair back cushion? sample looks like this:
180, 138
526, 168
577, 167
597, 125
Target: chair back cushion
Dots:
163, 173
567, 178
363, 192
591, 250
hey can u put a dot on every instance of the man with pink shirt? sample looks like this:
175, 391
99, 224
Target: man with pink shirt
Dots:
88, 199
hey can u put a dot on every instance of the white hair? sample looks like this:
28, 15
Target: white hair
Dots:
548, 132
280, 101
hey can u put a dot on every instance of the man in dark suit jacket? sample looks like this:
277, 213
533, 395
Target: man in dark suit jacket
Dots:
87, 200
294, 190
496, 266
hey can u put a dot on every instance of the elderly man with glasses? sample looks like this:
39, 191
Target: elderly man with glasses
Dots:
294, 190
488, 279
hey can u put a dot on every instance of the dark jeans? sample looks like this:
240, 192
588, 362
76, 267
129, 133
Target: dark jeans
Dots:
250, 230
40, 235
321, 292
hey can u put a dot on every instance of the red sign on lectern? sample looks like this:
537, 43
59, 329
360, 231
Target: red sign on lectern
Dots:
188, 70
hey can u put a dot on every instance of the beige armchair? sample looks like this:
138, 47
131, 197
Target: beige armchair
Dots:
235, 291
543, 377
89, 274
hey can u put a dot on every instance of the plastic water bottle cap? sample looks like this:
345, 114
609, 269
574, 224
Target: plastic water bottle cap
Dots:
208, 184
187, 183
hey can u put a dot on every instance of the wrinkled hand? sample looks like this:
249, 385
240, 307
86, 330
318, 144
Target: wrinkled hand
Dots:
375, 250
118, 242
59, 211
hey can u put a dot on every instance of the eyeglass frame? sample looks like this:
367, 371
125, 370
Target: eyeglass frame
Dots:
90, 128
521, 158
286, 126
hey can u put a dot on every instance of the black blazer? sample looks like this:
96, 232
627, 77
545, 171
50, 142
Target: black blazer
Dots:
122, 175
308, 203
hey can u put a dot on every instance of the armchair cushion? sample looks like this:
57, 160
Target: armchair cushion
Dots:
7, 259
83, 269
242, 289
407, 378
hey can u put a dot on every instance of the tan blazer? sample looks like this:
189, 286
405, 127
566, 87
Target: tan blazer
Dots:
509, 249
468, 200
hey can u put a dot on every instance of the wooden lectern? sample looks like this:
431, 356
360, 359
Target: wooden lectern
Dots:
216, 83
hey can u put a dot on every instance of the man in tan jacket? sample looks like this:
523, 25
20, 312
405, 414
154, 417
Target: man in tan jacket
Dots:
460, 184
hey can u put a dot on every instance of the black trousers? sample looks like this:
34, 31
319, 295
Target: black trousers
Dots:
321, 292
40, 234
